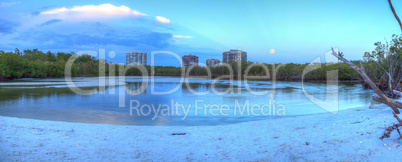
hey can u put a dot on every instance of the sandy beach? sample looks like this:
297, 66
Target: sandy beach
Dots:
351, 135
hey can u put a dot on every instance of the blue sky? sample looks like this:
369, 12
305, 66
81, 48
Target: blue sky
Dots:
299, 31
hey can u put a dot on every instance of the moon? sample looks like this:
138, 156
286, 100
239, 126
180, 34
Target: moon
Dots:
272, 51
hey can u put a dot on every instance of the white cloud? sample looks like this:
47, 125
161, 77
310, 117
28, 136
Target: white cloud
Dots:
103, 9
54, 11
182, 36
8, 3
162, 19
135, 12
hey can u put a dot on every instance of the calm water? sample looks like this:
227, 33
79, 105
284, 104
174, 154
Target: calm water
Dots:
51, 99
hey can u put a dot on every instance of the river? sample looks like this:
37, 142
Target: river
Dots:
171, 100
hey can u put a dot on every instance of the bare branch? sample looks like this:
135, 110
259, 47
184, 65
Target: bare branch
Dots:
398, 93
397, 118
398, 104
396, 16
398, 83
339, 55
389, 130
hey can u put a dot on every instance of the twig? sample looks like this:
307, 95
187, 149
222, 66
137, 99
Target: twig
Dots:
360, 121
389, 130
398, 83
397, 118
381, 67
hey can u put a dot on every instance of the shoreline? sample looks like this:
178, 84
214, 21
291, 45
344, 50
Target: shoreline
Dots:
251, 78
350, 135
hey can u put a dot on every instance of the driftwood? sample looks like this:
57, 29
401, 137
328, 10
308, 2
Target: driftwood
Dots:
391, 128
379, 99
377, 107
363, 74
398, 93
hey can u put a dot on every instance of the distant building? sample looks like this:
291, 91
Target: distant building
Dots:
234, 55
136, 58
190, 60
212, 62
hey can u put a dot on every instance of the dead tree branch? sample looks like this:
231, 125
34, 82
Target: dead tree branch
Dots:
393, 11
397, 118
361, 72
377, 98
391, 128
398, 93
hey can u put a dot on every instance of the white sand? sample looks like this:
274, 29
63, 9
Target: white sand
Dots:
350, 135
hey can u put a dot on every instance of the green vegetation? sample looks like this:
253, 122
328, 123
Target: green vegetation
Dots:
290, 72
386, 59
386, 64
37, 64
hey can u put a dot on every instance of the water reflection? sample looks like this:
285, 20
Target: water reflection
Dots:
61, 104
136, 86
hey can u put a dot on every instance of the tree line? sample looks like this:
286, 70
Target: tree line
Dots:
385, 59
38, 64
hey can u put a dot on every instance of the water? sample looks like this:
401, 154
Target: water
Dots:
51, 99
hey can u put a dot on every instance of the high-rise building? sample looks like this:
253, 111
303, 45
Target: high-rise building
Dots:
234, 55
136, 58
212, 62
190, 60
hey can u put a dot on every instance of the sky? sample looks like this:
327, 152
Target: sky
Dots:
298, 31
